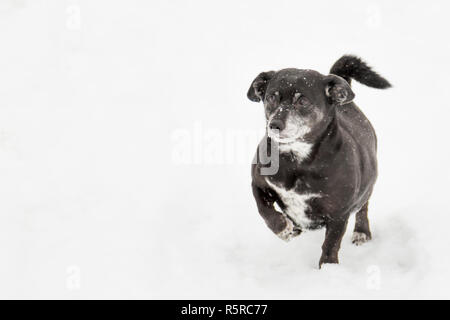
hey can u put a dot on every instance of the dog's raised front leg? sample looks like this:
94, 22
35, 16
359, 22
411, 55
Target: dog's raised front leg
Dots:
282, 226
335, 230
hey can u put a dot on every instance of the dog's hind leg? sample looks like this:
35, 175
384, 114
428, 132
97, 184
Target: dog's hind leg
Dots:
361, 233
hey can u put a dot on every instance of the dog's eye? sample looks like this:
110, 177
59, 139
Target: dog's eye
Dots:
273, 97
302, 101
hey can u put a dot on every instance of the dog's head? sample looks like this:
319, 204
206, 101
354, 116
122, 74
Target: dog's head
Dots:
298, 103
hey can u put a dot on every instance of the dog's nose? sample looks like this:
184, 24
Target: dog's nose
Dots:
276, 125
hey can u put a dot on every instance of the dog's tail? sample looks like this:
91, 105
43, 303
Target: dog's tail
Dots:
349, 67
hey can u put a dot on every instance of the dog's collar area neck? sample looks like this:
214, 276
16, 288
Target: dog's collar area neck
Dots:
287, 142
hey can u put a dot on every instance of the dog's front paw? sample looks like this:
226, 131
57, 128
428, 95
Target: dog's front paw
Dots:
328, 259
360, 238
289, 232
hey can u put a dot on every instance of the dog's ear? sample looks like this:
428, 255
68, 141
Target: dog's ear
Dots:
259, 85
338, 90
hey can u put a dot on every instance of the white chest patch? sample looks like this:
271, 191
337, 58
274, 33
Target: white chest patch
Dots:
296, 204
300, 149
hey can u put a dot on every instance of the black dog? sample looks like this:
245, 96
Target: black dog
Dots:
326, 150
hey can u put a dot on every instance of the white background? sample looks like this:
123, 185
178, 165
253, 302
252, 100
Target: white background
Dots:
93, 203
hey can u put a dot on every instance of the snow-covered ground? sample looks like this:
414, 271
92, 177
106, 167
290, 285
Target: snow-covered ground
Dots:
126, 140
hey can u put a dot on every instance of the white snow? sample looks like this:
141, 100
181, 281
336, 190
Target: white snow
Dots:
93, 206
